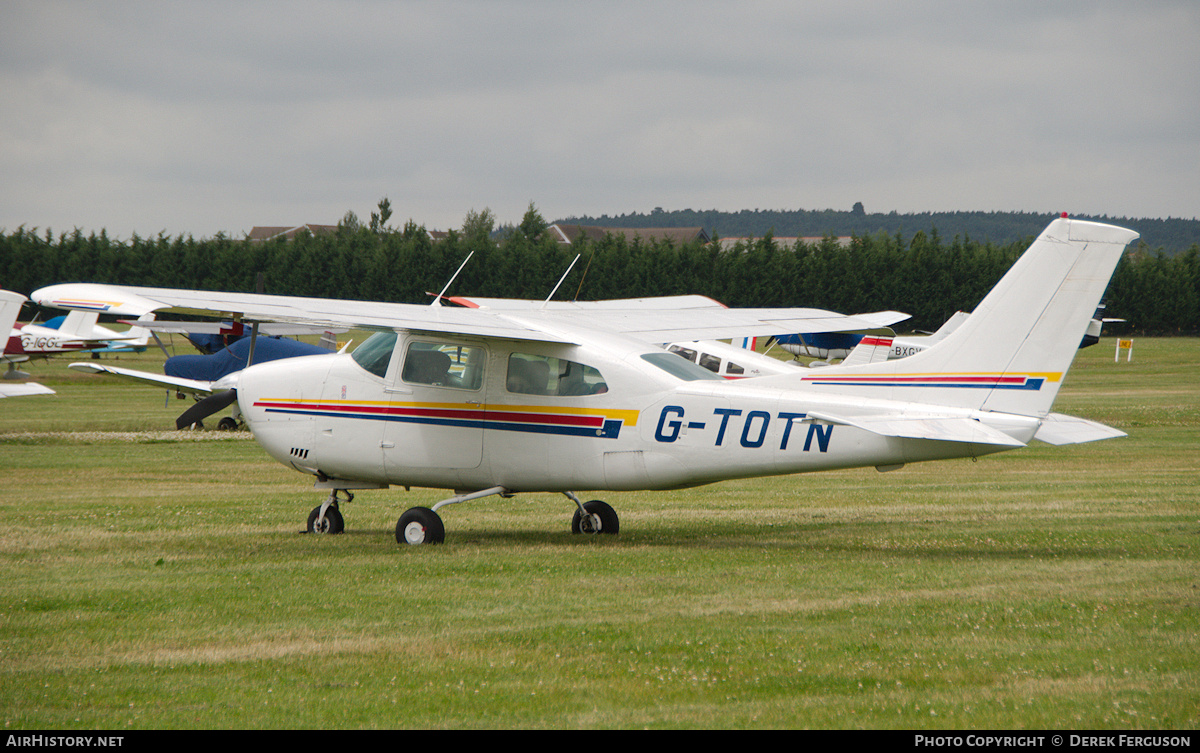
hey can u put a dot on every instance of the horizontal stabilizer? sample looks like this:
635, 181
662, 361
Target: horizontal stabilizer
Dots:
1059, 429
938, 428
23, 389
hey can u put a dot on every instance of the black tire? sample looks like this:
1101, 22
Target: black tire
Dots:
333, 522
229, 423
420, 525
601, 514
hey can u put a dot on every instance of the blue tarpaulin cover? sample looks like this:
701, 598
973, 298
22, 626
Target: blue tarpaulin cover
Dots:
231, 359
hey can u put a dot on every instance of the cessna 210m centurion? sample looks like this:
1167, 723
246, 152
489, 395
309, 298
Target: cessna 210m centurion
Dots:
576, 396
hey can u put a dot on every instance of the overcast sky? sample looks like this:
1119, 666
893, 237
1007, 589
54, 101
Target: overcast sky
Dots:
201, 117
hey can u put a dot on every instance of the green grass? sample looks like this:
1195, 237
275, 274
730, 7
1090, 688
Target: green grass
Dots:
159, 581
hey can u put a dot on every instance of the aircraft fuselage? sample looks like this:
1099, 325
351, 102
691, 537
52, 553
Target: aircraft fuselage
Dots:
632, 425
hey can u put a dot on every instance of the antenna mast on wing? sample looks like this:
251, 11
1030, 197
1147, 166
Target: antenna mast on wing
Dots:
560, 281
437, 301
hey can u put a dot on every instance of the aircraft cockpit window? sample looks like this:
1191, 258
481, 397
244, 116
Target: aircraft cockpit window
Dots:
542, 375
678, 367
376, 352
687, 353
444, 365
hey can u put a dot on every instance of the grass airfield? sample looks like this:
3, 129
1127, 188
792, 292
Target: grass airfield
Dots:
155, 579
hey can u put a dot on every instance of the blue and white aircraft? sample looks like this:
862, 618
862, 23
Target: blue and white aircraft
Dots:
572, 397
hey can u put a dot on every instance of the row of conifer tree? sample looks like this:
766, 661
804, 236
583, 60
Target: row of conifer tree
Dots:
925, 275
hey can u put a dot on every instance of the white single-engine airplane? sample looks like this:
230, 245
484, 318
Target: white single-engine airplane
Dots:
77, 332
577, 396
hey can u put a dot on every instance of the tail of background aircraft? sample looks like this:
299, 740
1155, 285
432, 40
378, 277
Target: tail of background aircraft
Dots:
80, 325
10, 309
1012, 353
139, 335
870, 349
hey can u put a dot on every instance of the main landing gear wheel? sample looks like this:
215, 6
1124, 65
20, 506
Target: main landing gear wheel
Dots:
331, 523
599, 517
420, 525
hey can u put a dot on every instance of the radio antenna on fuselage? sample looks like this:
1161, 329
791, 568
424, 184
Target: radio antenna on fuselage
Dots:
437, 301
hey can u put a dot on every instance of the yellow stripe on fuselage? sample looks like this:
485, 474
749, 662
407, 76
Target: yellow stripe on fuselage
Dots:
629, 417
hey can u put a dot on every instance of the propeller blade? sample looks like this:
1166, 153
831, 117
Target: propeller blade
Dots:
205, 408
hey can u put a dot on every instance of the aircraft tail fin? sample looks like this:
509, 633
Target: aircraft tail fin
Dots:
949, 326
79, 324
138, 336
870, 349
1012, 353
10, 309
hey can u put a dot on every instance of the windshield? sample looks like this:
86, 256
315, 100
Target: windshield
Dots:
679, 367
376, 352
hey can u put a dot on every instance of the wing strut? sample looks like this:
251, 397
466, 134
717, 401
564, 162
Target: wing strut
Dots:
258, 288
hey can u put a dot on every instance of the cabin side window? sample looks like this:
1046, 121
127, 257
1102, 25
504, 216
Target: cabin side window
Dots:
441, 364
543, 375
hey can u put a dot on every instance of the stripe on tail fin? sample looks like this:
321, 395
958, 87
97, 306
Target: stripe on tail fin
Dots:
870, 349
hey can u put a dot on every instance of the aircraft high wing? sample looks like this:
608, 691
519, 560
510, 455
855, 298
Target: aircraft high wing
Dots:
10, 308
570, 397
648, 320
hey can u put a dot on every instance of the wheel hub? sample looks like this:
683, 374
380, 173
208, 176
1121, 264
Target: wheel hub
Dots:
590, 523
414, 533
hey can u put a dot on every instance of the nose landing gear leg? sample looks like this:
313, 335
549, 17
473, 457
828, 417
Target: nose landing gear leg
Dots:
326, 518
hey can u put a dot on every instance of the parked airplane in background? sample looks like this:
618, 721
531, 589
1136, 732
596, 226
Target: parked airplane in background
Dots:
743, 362
10, 308
1092, 336
212, 337
209, 378
731, 361
76, 332
835, 345
579, 396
